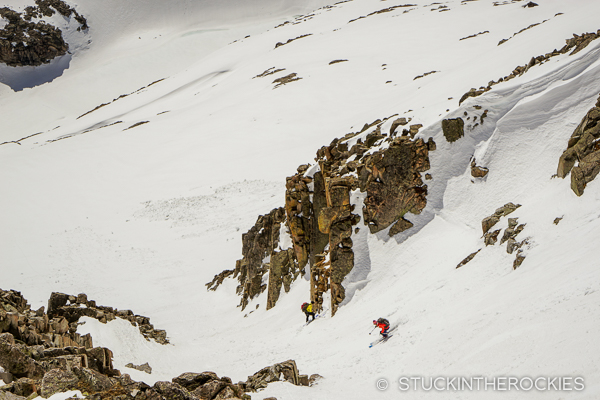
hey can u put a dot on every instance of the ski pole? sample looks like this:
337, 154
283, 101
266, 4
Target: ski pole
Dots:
372, 330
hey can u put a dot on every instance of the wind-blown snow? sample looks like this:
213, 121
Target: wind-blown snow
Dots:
142, 218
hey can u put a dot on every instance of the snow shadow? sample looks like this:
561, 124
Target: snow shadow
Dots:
19, 78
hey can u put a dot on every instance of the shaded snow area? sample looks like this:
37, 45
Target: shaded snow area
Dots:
133, 175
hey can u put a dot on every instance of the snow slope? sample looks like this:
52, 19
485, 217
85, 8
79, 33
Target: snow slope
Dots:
141, 218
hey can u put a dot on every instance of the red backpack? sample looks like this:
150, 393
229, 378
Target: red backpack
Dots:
303, 307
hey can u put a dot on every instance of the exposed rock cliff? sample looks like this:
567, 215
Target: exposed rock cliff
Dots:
321, 218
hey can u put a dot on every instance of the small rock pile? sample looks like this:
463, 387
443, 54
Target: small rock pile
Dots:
490, 238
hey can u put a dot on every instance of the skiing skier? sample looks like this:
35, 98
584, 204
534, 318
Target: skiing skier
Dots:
308, 310
384, 325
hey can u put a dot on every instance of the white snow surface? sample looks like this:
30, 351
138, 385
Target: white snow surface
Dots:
142, 218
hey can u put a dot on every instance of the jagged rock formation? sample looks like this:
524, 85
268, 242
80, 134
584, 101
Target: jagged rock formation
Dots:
43, 354
321, 218
74, 307
285, 371
583, 149
493, 219
219, 278
24, 42
490, 238
393, 183
145, 367
33, 368
576, 44
258, 245
35, 328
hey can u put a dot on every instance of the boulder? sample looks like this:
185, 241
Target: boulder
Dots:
585, 172
398, 122
400, 226
91, 381
493, 219
285, 371
172, 391
10, 396
209, 390
56, 381
16, 359
22, 387
192, 380
477, 171
453, 129
518, 261
143, 367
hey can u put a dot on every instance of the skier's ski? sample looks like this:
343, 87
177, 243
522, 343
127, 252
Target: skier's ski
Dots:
384, 339
320, 315
316, 316
380, 340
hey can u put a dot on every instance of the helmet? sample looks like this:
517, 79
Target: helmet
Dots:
374, 322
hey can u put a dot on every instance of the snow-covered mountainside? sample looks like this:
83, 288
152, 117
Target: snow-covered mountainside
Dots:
132, 165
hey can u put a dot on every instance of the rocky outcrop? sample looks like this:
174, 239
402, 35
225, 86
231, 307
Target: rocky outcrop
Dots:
49, 368
286, 79
467, 259
145, 367
477, 171
71, 308
583, 150
490, 238
258, 245
321, 218
453, 129
218, 279
392, 180
24, 42
279, 44
32, 344
286, 371
503, 211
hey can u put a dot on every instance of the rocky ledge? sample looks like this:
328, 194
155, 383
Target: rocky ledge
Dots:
41, 354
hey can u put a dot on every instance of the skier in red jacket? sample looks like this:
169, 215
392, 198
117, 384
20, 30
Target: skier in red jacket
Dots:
384, 325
